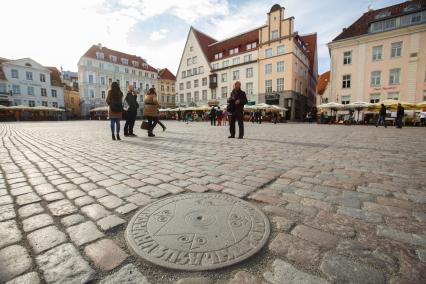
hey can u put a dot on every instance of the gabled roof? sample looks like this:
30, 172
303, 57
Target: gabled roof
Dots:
360, 26
55, 77
165, 74
91, 53
204, 41
323, 81
311, 44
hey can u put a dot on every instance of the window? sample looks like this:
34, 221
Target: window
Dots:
375, 98
54, 94
103, 81
183, 74
162, 88
247, 57
113, 58
29, 75
181, 86
125, 61
346, 100
204, 94
204, 82
236, 61
347, 58
346, 84
55, 104
140, 73
249, 88
200, 70
194, 71
188, 97
383, 14
92, 93
233, 51
236, 75
268, 52
196, 96
135, 63
274, 35
224, 92
196, 83
91, 79
225, 63
280, 66
394, 76
268, 86
378, 53
396, 49
15, 73
280, 84
89, 62
146, 87
42, 78
116, 69
375, 78
249, 72
31, 103
191, 48
280, 49
44, 104
188, 85
213, 94
16, 89
189, 61
43, 92
224, 77
100, 55
268, 69
194, 60
30, 91
189, 72
218, 55
424, 95
251, 45
182, 98
101, 66
126, 70
103, 94
215, 66
3, 88
393, 96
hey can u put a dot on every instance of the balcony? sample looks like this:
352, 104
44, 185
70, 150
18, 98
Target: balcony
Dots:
213, 81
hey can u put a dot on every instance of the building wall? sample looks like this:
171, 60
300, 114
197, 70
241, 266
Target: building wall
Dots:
93, 94
72, 103
166, 91
412, 64
24, 98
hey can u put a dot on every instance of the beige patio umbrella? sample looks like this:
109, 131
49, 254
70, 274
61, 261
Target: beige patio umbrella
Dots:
393, 104
421, 104
359, 105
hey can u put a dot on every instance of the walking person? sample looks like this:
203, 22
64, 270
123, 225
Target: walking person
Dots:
219, 116
115, 110
213, 116
236, 103
132, 102
399, 116
382, 116
150, 110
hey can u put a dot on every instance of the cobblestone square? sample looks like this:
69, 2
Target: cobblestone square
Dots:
346, 203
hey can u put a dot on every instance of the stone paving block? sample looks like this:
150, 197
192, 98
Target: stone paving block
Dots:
67, 187
152, 181
30, 210
390, 211
73, 194
310, 211
43, 189
310, 194
283, 272
194, 280
21, 190
27, 199
171, 188
98, 193
412, 239
343, 270
83, 201
139, 199
244, 277
127, 274
197, 188
14, 260
372, 190
110, 201
88, 186
153, 191
84, 233
72, 220
9, 233
7, 212
29, 278
321, 205
421, 253
95, 211
46, 238
62, 208
134, 183
121, 190
64, 264
420, 216
105, 254
181, 183
360, 214
53, 196
126, 208
283, 224
59, 181
110, 222
280, 211
36, 222
316, 236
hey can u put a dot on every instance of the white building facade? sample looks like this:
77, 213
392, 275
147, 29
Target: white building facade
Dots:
100, 66
28, 83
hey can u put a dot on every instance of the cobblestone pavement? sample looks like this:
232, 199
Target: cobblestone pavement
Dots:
346, 204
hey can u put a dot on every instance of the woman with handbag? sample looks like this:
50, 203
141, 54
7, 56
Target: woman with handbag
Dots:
150, 110
115, 111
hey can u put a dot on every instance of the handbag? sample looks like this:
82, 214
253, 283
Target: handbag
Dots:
145, 125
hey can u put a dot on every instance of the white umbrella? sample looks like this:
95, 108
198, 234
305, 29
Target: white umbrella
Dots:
331, 105
358, 106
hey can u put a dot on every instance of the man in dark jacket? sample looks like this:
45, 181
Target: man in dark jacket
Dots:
236, 103
131, 99
382, 116
399, 115
213, 117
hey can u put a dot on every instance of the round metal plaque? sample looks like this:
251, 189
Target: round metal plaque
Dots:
197, 231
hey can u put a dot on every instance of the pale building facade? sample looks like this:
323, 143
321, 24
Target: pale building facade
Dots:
381, 56
27, 82
100, 66
273, 63
166, 88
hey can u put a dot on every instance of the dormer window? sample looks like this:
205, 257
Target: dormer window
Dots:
100, 55
382, 15
135, 63
218, 55
412, 7
113, 58
251, 46
28, 65
233, 51
125, 61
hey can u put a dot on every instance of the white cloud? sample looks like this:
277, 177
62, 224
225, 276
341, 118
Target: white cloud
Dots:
158, 35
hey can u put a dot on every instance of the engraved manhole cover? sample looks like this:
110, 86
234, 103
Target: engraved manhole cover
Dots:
198, 231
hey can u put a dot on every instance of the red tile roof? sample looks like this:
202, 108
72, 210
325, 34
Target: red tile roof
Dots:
55, 77
239, 41
323, 81
107, 52
204, 41
311, 44
165, 74
360, 26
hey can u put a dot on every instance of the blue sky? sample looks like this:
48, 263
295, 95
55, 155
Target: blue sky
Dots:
61, 31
